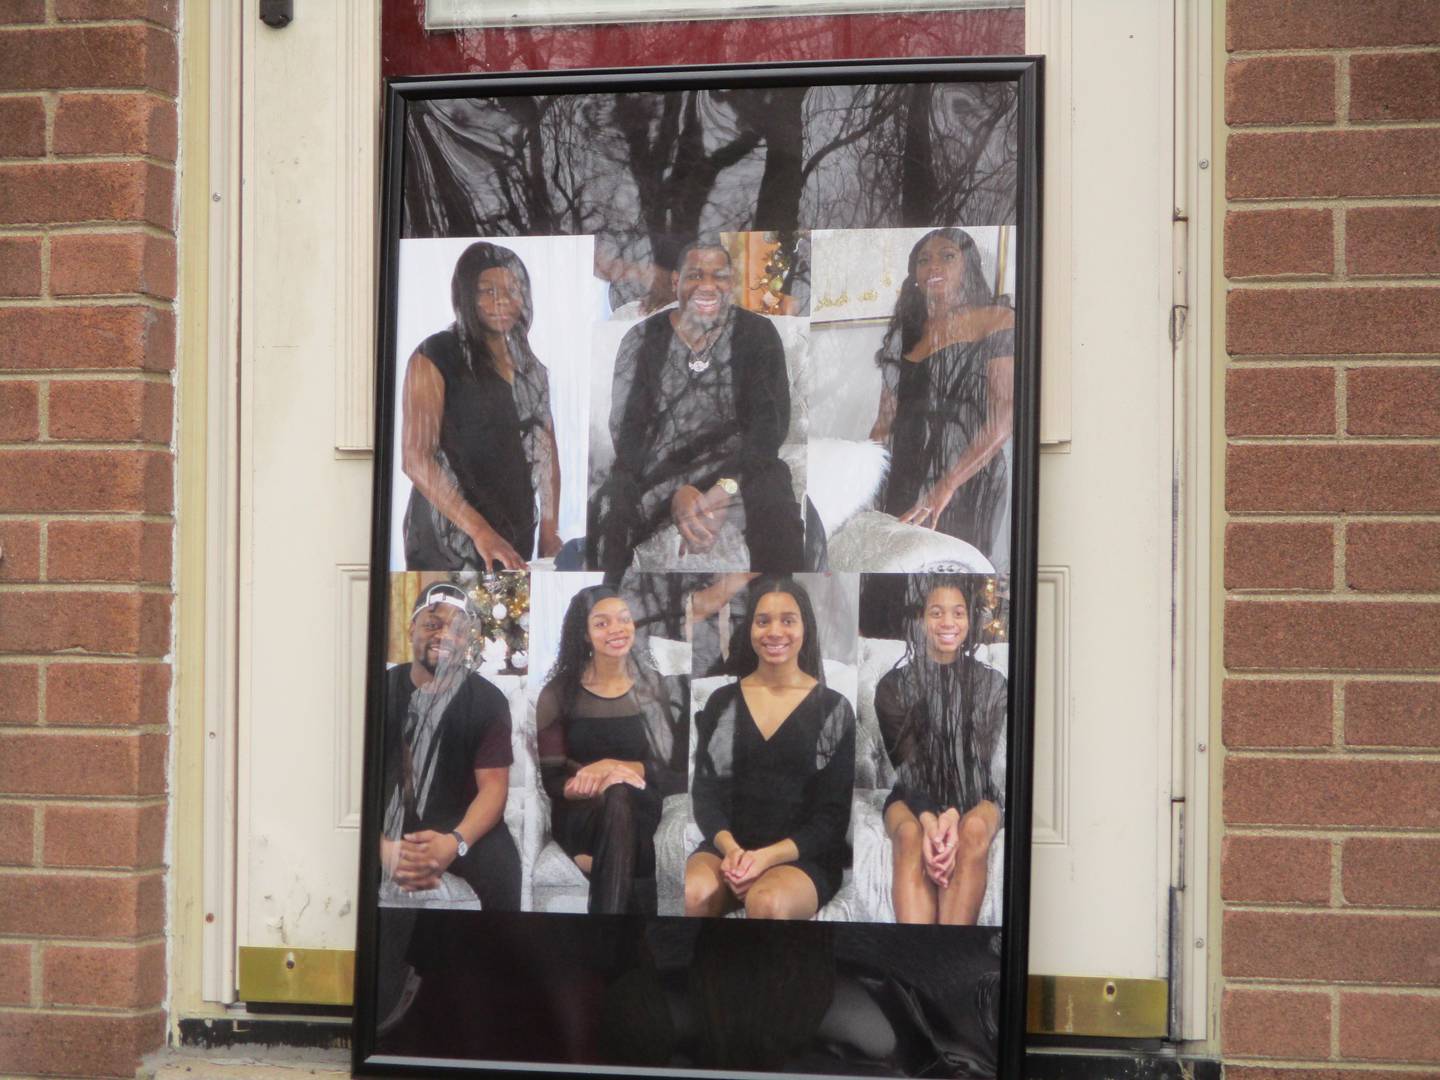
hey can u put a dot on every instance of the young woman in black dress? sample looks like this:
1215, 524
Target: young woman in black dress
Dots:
947, 364
774, 770
942, 716
477, 438
612, 745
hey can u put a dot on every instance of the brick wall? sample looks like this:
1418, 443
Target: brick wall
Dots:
1330, 874
87, 344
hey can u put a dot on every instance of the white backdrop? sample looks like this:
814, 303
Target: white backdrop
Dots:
857, 273
566, 302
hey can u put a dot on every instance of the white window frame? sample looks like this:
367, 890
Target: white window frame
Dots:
470, 14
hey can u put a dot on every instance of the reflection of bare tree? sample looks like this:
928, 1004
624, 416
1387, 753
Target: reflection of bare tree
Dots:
916, 154
643, 168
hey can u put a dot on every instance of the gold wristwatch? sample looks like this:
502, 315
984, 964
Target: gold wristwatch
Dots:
730, 487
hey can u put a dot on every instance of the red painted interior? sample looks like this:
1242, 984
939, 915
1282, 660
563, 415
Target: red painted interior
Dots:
407, 49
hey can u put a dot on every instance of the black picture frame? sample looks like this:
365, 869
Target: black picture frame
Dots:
1024, 76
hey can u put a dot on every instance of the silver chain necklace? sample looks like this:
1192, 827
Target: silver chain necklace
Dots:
700, 361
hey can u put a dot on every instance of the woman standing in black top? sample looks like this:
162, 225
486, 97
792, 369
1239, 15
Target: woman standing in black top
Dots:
478, 441
774, 770
942, 715
612, 747
945, 414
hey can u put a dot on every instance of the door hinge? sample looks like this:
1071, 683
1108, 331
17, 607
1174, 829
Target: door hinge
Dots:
1179, 273
1177, 843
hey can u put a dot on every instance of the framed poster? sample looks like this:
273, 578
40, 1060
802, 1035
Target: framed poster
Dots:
702, 652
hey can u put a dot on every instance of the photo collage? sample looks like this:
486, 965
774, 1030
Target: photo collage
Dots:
699, 582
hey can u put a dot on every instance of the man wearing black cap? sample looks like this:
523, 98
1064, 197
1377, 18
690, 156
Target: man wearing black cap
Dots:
699, 408
447, 761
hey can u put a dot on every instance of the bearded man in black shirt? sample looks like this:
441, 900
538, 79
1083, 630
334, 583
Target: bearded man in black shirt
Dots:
701, 404
447, 762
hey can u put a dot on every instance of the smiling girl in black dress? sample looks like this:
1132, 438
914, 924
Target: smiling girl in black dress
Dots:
612, 746
774, 770
942, 715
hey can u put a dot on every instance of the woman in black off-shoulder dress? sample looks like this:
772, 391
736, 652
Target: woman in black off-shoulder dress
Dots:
946, 405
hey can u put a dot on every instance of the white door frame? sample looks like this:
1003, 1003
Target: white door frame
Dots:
1047, 23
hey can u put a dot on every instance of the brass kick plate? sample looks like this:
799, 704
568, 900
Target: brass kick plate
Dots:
1097, 1007
297, 976
1055, 1004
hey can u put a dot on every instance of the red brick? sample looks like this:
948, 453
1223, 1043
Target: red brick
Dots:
64, 764
1331, 479
78, 1044
22, 127
1276, 243
93, 480
81, 905
99, 57
1283, 556
81, 338
1322, 24
17, 835
73, 192
1341, 948
1328, 164
14, 974
121, 551
19, 259
124, 977
1392, 240
107, 695
1325, 322
1332, 636
1393, 401
100, 264
1270, 869
1331, 791
131, 837
112, 411
19, 412
22, 11
1392, 714
1390, 1027
163, 12
1275, 1023
104, 623
19, 551
1393, 557
1275, 713
1280, 401
19, 694
1280, 90
115, 124
1395, 86
1380, 871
